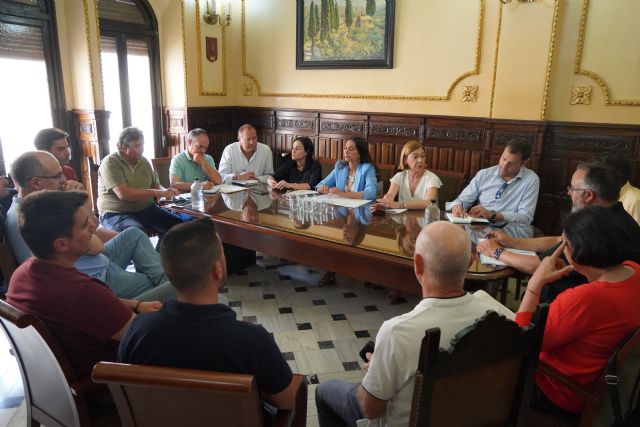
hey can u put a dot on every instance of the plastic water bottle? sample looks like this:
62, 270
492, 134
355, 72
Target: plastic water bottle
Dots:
432, 212
197, 200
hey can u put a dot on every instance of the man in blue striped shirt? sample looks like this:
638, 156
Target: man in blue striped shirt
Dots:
507, 191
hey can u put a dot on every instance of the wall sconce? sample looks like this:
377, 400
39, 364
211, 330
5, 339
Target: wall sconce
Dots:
212, 18
521, 1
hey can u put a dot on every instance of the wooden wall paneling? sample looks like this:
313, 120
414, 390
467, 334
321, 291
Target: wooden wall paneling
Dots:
102, 130
459, 144
84, 144
388, 134
218, 122
337, 128
175, 127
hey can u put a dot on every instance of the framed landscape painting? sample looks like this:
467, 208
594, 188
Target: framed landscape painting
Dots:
344, 34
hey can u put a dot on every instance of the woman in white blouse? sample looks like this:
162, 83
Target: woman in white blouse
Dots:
414, 184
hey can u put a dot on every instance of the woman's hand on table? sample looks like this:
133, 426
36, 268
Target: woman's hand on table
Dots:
324, 189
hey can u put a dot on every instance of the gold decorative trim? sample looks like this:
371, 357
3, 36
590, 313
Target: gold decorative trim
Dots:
581, 95
495, 60
224, 55
85, 5
184, 53
446, 97
552, 43
469, 93
578, 63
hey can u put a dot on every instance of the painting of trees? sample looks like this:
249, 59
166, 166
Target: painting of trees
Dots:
336, 30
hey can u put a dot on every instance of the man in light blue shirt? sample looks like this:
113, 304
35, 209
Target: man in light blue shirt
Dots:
194, 163
505, 192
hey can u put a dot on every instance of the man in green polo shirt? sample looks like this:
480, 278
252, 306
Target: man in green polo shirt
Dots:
194, 163
127, 187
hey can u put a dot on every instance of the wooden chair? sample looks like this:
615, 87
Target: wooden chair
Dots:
8, 262
161, 167
452, 185
486, 379
623, 369
53, 393
326, 165
159, 396
387, 170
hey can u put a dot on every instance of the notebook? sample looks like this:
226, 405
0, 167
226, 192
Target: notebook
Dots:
466, 219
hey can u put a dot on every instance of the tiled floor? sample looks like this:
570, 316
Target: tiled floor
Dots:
320, 330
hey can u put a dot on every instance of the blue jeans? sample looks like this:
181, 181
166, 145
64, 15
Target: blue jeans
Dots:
160, 220
337, 403
148, 282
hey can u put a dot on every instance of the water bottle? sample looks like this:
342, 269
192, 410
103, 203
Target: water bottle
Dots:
432, 212
197, 201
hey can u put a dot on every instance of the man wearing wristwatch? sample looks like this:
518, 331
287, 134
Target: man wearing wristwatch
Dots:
246, 159
507, 191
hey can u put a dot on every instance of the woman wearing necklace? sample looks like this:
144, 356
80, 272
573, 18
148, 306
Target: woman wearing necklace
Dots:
414, 184
301, 171
354, 177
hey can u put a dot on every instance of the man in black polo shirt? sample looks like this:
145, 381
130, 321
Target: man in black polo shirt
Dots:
593, 183
195, 331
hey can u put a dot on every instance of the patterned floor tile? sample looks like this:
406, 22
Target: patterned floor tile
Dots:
296, 340
317, 313
277, 322
318, 361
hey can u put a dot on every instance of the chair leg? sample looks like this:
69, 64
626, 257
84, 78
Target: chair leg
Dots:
504, 287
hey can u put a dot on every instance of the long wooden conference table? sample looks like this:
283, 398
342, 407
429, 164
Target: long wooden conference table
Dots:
349, 241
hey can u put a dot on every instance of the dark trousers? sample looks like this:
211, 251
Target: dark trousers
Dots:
154, 217
541, 403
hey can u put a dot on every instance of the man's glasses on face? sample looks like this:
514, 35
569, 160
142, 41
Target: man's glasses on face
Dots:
201, 147
570, 189
56, 176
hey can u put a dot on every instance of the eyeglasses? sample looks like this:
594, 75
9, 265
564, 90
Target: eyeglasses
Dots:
56, 176
570, 189
501, 190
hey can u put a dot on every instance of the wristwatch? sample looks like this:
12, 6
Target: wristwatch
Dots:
493, 215
497, 253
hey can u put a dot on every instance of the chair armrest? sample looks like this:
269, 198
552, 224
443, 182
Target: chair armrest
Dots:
568, 383
298, 416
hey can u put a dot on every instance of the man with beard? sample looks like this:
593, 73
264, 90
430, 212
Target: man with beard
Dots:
195, 331
591, 184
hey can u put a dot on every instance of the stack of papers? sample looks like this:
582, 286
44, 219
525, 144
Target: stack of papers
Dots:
466, 219
226, 188
492, 261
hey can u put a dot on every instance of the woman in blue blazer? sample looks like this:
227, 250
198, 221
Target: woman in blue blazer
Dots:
353, 177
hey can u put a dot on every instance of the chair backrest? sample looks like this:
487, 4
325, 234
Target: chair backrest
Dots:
452, 185
387, 170
326, 165
152, 396
626, 362
46, 372
161, 167
485, 379
8, 262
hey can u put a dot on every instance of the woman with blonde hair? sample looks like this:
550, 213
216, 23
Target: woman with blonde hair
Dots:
414, 185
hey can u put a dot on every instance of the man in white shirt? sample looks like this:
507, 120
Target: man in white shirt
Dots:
247, 158
443, 253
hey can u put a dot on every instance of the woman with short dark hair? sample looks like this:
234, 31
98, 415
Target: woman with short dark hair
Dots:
301, 171
586, 323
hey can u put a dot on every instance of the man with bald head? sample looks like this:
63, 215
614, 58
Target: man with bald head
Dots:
443, 254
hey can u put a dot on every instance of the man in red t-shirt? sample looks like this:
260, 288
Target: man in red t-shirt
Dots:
55, 141
82, 313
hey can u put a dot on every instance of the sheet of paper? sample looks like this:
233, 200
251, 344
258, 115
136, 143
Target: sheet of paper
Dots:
300, 193
347, 203
226, 188
213, 190
499, 308
394, 211
466, 219
492, 261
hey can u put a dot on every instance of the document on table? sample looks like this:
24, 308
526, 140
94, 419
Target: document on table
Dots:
227, 188
300, 193
492, 261
347, 203
497, 307
466, 219
394, 211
